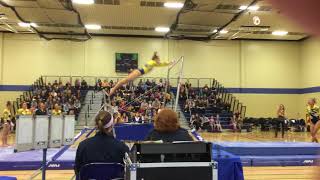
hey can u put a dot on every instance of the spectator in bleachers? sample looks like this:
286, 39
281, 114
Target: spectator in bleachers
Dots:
145, 99
98, 85
117, 118
212, 124
124, 118
196, 122
156, 104
218, 124
137, 118
41, 110
67, 96
77, 84
65, 106
204, 101
84, 85
24, 109
190, 104
56, 111
238, 119
205, 123
233, 124
103, 147
104, 84
206, 90
167, 128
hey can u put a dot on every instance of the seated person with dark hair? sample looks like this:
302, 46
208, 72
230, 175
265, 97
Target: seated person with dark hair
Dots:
167, 128
103, 147
42, 109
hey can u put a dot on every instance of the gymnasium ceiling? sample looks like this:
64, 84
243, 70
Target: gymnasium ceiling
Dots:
197, 20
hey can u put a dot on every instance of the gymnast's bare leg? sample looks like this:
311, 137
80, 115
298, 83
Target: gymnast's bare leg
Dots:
132, 76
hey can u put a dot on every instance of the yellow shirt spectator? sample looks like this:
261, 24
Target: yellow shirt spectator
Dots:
56, 112
22, 112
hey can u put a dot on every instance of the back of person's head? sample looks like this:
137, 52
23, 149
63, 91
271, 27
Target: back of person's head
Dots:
312, 101
8, 104
104, 121
166, 121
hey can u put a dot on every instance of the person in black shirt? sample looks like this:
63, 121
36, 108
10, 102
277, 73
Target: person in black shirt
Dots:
167, 128
42, 109
103, 147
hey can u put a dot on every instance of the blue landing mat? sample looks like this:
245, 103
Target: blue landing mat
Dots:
31, 160
269, 148
291, 160
229, 165
273, 153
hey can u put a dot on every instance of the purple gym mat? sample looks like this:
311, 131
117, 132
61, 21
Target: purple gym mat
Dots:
31, 160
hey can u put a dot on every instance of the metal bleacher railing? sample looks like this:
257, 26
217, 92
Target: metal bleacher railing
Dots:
222, 92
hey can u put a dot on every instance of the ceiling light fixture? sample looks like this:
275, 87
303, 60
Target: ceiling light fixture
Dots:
243, 7
34, 24
223, 32
279, 33
215, 31
83, 1
22, 24
162, 29
173, 5
253, 8
3, 18
93, 26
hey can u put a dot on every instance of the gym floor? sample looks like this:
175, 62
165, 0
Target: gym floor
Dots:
251, 173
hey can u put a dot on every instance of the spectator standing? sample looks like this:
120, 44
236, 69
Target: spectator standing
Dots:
6, 124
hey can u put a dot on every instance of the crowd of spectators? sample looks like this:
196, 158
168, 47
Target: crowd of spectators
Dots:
50, 99
137, 102
55, 99
205, 104
210, 124
198, 100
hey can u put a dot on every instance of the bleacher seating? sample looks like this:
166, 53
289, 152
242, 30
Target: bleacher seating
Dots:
68, 96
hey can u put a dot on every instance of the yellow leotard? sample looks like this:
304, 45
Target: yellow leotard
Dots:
6, 114
313, 112
151, 64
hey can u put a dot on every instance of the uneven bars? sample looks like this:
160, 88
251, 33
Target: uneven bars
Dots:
179, 83
168, 73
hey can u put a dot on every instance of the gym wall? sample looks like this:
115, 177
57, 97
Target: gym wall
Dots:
262, 74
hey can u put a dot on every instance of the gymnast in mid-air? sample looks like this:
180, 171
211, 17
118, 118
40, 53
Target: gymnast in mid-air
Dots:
154, 62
